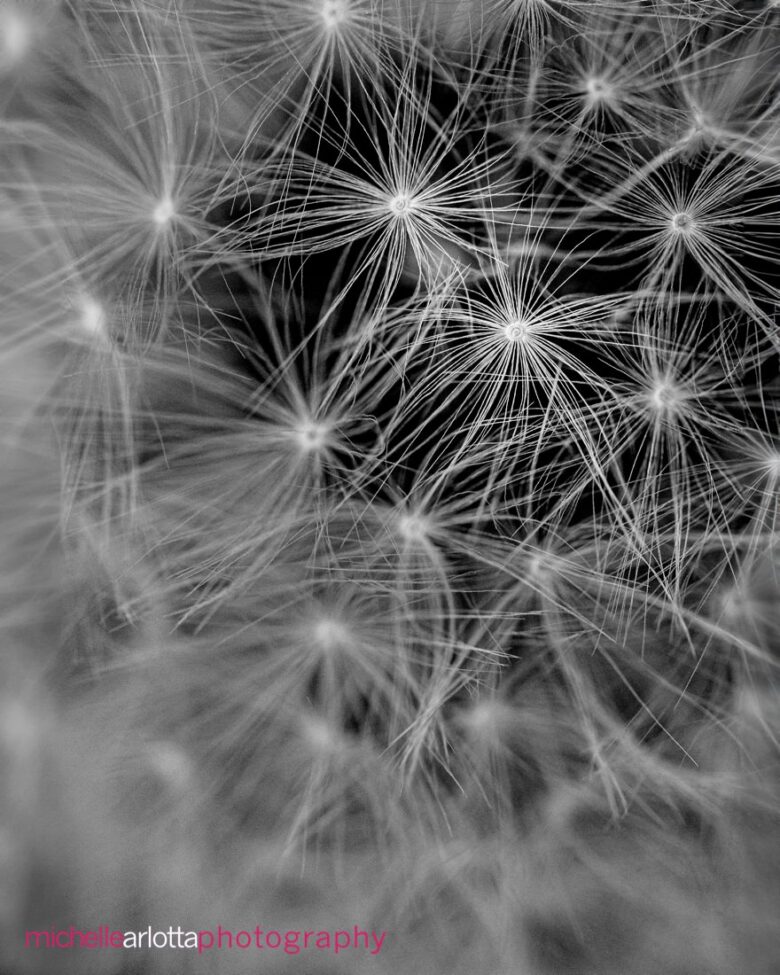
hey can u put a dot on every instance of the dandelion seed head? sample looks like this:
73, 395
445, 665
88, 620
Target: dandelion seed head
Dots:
334, 13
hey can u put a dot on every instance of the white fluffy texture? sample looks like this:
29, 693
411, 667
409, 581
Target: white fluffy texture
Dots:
391, 481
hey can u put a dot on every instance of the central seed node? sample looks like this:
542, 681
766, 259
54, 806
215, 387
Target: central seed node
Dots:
683, 223
329, 634
598, 90
401, 204
664, 397
164, 212
334, 13
516, 331
312, 437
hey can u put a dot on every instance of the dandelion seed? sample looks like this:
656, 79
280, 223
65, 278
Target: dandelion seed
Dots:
405, 202
609, 71
721, 213
669, 420
505, 352
114, 180
726, 91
